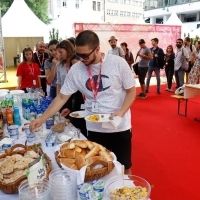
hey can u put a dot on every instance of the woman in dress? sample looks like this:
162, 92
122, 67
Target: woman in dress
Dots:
28, 72
128, 55
194, 75
169, 67
50, 66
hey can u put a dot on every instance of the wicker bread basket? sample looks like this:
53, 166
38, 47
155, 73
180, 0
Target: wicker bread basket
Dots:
12, 187
91, 173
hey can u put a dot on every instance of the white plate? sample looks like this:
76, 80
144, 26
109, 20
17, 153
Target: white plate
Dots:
4, 90
16, 92
3, 94
80, 112
105, 118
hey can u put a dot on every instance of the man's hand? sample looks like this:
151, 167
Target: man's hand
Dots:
65, 112
117, 113
35, 124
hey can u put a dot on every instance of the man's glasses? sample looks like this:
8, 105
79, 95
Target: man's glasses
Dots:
178, 42
84, 56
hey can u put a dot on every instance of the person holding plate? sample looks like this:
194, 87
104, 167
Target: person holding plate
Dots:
109, 88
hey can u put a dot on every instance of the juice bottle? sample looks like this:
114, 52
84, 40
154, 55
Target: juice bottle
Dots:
9, 116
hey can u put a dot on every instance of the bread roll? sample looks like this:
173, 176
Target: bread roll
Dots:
89, 144
100, 146
74, 167
83, 152
106, 155
79, 161
78, 149
68, 153
67, 146
92, 159
93, 152
80, 143
67, 161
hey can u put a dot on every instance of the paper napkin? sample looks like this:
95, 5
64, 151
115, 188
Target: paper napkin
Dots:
112, 124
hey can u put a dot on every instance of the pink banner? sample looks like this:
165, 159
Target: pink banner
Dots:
132, 33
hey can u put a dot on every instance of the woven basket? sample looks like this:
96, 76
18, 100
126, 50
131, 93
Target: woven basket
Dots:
12, 188
92, 174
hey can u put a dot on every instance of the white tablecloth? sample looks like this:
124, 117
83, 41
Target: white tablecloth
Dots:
191, 91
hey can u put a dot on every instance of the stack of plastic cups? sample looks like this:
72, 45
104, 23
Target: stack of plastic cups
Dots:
63, 185
38, 190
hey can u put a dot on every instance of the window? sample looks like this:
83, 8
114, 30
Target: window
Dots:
94, 4
137, 3
126, 2
64, 4
77, 4
136, 15
125, 14
112, 12
98, 6
58, 3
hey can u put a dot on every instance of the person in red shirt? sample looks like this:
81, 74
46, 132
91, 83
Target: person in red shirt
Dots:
28, 72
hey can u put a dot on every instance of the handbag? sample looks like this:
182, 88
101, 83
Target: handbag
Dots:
135, 68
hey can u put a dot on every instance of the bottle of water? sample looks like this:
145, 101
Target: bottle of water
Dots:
32, 112
9, 96
17, 118
27, 111
39, 112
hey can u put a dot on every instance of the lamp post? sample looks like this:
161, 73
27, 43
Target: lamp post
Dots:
2, 55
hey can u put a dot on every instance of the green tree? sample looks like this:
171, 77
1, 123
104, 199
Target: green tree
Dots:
38, 7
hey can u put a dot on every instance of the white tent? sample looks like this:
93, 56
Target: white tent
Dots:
140, 20
195, 33
65, 22
174, 20
20, 21
21, 27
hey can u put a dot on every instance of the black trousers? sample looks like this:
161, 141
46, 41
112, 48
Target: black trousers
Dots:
169, 74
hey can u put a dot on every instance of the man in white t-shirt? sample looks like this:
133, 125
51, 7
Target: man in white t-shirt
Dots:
109, 88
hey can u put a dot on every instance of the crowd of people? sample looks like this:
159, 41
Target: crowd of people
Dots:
79, 76
182, 62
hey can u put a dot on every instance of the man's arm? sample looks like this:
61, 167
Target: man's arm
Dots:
129, 98
55, 106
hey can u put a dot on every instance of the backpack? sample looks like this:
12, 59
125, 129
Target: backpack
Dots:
160, 60
190, 47
185, 64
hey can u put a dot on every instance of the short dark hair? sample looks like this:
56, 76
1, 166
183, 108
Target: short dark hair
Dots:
72, 40
67, 45
24, 51
53, 42
89, 38
187, 39
124, 44
180, 40
155, 40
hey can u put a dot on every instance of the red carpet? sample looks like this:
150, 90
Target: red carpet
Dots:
166, 146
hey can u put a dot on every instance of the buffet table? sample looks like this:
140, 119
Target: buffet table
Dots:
50, 152
191, 91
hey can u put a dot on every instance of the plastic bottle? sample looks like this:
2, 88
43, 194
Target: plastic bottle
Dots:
9, 116
32, 112
3, 110
17, 118
9, 96
39, 112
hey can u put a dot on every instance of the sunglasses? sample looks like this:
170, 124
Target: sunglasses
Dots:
178, 42
84, 56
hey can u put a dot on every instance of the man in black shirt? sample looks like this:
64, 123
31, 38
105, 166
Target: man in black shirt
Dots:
39, 57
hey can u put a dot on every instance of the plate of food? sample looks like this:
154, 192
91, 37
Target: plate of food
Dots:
78, 114
99, 118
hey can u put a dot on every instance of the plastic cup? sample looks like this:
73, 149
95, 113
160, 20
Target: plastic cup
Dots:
39, 190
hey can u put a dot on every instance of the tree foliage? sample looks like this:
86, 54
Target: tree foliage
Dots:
38, 7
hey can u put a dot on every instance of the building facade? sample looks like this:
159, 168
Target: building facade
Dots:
112, 11
188, 11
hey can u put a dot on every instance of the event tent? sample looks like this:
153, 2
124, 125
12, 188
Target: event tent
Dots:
140, 20
174, 20
21, 27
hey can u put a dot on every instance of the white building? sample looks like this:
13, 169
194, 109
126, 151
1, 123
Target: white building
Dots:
188, 11
110, 11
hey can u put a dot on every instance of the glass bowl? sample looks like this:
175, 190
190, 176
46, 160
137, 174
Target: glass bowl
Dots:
132, 181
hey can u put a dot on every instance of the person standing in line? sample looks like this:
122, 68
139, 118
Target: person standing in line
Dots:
114, 49
145, 56
50, 66
181, 55
128, 55
191, 51
154, 65
28, 72
99, 81
40, 56
169, 67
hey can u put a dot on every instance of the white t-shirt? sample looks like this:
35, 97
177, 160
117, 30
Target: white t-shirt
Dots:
116, 76
189, 52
